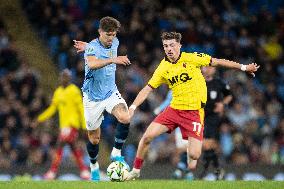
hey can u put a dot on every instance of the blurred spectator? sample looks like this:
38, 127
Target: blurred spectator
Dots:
20, 101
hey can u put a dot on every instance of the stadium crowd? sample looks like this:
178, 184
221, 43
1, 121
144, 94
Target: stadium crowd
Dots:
245, 31
21, 100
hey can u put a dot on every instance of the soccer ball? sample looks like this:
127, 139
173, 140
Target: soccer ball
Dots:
117, 171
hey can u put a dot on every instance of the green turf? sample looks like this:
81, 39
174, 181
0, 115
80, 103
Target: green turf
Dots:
143, 184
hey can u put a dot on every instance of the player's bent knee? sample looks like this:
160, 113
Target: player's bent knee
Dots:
194, 154
125, 119
94, 140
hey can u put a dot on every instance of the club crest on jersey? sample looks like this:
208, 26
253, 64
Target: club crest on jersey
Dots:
110, 54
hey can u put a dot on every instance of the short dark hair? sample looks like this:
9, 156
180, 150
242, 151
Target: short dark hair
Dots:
171, 35
109, 24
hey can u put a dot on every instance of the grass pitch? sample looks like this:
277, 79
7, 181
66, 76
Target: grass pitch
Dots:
142, 184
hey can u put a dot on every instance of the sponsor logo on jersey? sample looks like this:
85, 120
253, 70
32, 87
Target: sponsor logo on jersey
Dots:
184, 77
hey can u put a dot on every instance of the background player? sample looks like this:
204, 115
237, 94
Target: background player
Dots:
67, 100
181, 72
100, 91
218, 97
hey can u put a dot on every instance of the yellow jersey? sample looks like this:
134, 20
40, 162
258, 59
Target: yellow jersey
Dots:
185, 79
69, 104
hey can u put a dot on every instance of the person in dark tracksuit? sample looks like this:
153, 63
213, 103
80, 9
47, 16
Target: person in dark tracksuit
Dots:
218, 97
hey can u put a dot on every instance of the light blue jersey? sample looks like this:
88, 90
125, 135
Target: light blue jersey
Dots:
99, 84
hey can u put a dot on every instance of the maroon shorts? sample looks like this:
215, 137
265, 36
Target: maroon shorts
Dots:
68, 134
190, 122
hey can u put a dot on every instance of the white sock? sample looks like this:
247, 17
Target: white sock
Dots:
136, 170
115, 152
94, 166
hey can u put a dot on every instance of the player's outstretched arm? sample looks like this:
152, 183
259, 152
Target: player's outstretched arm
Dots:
80, 46
122, 60
95, 63
140, 98
250, 68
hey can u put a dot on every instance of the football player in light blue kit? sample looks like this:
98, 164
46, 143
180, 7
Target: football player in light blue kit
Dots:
100, 92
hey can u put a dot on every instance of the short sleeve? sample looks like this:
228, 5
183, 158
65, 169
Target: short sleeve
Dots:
200, 59
157, 78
